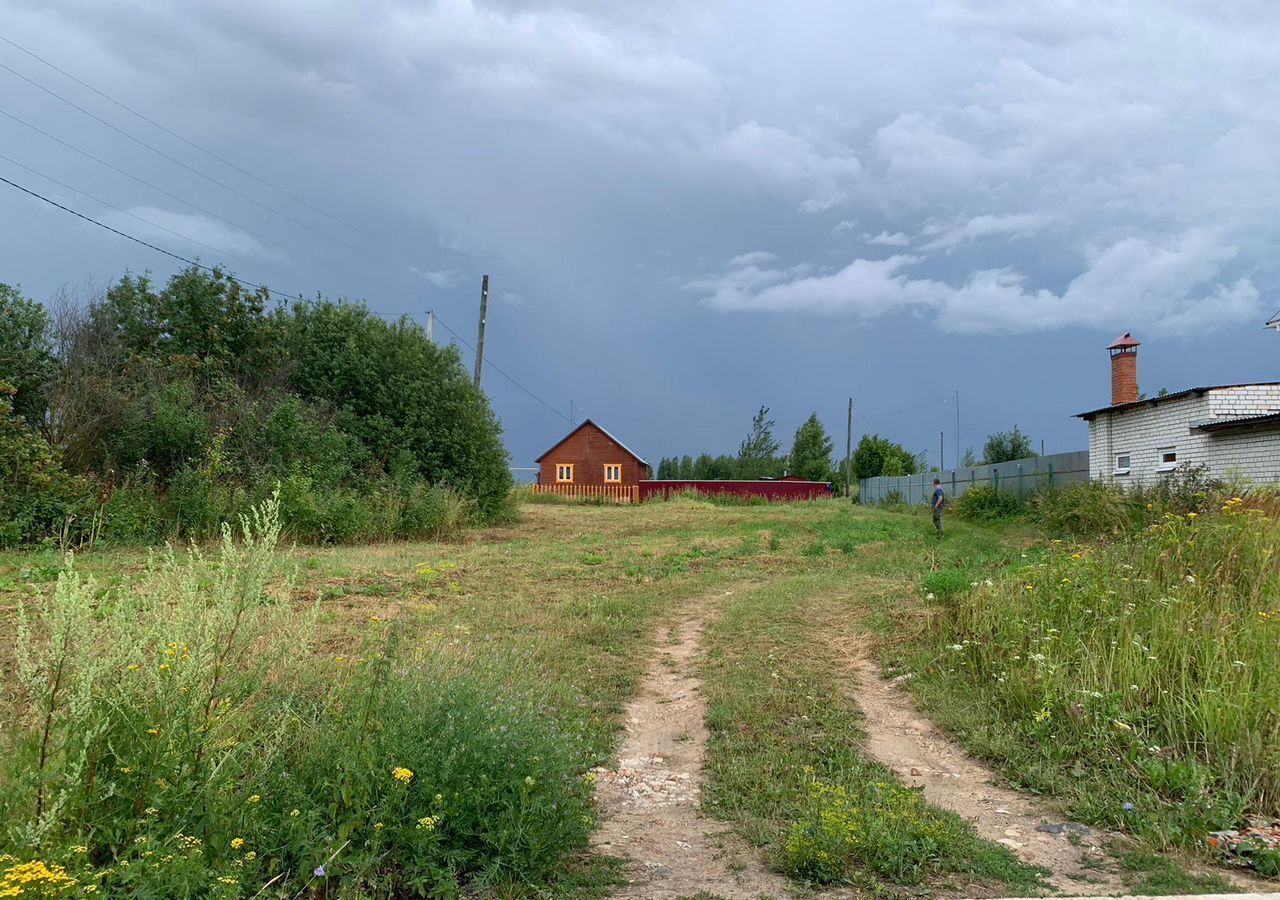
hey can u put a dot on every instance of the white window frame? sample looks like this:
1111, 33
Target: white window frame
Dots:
1126, 467
1164, 465
560, 468
618, 468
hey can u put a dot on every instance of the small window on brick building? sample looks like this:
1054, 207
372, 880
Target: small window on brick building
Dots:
1123, 463
1168, 459
612, 472
564, 472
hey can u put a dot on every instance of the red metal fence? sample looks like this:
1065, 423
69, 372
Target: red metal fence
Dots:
770, 490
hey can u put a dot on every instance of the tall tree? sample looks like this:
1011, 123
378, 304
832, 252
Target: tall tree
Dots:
1005, 446
26, 354
876, 456
758, 452
811, 451
686, 467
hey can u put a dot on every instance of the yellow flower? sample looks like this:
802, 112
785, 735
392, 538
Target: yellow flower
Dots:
164, 666
375, 618
378, 826
401, 774
255, 799
294, 813
133, 667
153, 731
428, 823
228, 880
237, 843
251, 855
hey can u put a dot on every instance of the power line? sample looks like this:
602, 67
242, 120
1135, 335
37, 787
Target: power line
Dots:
132, 215
192, 169
154, 187
148, 244
190, 143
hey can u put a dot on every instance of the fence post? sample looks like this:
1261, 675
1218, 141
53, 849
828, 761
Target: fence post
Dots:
1050, 476
995, 479
1019, 481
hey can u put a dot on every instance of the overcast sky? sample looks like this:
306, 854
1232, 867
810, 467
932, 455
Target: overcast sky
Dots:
688, 210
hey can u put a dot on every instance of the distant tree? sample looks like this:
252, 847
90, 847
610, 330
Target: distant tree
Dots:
1004, 446
686, 467
26, 354
876, 456
702, 467
724, 468
811, 451
758, 452
666, 469
970, 459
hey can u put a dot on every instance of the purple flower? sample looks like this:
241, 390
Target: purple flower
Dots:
1128, 807
319, 871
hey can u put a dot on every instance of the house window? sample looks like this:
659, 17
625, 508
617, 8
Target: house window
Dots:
1123, 463
1168, 459
612, 472
564, 472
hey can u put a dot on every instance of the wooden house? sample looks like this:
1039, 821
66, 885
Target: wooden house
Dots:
589, 462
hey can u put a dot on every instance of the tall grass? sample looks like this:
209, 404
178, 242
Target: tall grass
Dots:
1138, 676
178, 738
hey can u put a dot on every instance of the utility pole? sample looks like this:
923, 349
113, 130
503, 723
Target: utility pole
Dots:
571, 413
957, 429
431, 325
484, 306
848, 451
942, 447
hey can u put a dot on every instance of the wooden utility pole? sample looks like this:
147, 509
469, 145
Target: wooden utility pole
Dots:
848, 451
484, 307
431, 325
942, 446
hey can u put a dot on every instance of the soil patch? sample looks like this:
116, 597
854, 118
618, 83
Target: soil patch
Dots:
651, 801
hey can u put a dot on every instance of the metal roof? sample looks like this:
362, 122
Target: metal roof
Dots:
1124, 342
1156, 401
599, 427
1259, 421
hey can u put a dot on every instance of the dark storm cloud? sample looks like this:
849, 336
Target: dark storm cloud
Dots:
700, 209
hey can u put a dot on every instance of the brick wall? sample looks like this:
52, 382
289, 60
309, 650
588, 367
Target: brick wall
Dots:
1142, 432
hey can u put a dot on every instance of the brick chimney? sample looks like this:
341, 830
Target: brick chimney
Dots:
1124, 369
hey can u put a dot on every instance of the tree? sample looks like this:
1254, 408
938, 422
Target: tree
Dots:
686, 467
703, 466
1005, 446
970, 459
666, 469
811, 451
876, 456
26, 354
758, 452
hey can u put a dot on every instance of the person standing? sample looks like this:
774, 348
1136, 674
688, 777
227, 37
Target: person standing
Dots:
939, 500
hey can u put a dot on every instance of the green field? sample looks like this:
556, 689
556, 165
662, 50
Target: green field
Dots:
419, 657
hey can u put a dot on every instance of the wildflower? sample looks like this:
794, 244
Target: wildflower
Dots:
125, 770
91, 889
164, 667
133, 667
319, 872
929, 597
1191, 579
80, 849
378, 826
402, 775
228, 880
153, 731
294, 813
528, 781
251, 855
375, 618
237, 843
254, 798
151, 811
427, 823
1128, 807
1192, 515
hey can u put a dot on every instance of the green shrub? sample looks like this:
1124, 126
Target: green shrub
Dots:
986, 503
1090, 508
893, 498
176, 738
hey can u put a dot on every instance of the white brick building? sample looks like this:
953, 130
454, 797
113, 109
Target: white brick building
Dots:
1231, 430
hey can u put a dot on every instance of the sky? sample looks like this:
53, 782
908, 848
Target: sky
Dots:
688, 211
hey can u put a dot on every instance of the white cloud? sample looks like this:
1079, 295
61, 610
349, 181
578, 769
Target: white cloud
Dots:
199, 232
844, 227
1173, 286
951, 235
440, 279
756, 257
782, 162
885, 239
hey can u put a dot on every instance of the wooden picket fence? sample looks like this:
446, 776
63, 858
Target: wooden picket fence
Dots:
618, 493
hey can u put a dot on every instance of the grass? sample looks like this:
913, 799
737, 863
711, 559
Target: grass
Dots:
1134, 679
560, 610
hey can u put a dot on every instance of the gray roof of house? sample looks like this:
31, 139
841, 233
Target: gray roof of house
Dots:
1178, 395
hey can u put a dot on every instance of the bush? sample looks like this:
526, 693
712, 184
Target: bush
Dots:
946, 583
176, 738
985, 503
1090, 508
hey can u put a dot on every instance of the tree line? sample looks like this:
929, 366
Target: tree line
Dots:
159, 411
759, 456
